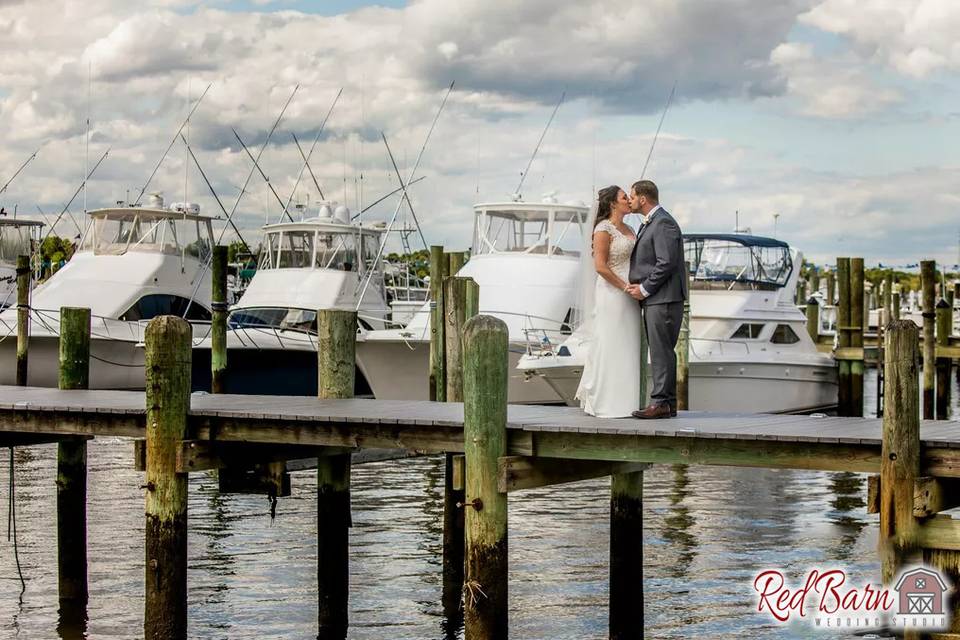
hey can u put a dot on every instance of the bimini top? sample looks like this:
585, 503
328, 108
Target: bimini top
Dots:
739, 238
533, 211
19, 222
144, 213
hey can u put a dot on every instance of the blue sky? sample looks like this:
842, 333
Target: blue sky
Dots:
838, 115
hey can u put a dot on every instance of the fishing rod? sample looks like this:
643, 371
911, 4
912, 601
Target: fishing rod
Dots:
309, 168
306, 160
21, 168
396, 211
257, 165
523, 175
243, 189
75, 194
657, 134
172, 141
406, 196
210, 186
381, 199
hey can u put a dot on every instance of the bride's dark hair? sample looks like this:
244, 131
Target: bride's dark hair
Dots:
606, 197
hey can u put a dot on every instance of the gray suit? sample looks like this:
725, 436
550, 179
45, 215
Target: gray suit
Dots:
657, 265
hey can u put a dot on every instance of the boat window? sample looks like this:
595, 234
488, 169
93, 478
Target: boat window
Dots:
274, 318
159, 304
527, 231
117, 232
748, 331
784, 334
296, 250
14, 241
336, 251
731, 263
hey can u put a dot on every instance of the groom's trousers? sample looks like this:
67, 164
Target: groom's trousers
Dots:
662, 323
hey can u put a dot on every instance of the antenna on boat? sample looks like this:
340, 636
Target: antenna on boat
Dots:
74, 197
86, 153
20, 168
313, 146
517, 195
257, 165
169, 146
316, 183
657, 134
403, 187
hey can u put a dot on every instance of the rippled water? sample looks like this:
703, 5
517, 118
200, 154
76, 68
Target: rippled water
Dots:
708, 530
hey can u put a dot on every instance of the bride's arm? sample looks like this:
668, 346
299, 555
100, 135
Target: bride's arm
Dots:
601, 254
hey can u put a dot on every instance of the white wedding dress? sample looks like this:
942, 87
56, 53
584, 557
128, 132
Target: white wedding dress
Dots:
610, 384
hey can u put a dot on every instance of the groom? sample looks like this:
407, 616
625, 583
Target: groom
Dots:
658, 280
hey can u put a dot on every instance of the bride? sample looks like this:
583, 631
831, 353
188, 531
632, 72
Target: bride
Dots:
610, 384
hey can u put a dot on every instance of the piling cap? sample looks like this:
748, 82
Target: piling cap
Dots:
942, 304
812, 300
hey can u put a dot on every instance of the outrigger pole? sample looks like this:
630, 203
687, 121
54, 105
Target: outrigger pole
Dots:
523, 175
21, 168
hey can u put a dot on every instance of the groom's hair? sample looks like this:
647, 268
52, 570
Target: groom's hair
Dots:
647, 188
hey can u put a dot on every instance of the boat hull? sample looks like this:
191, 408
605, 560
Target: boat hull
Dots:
114, 364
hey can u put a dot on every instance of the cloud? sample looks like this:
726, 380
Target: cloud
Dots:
915, 37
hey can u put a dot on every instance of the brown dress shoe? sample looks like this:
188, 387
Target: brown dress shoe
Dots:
653, 412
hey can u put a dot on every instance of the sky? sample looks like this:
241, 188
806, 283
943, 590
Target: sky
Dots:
831, 124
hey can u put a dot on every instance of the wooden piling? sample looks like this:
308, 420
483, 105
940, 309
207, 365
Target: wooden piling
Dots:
813, 319
336, 362
928, 270
168, 353
23, 317
74, 373
900, 457
626, 556
218, 327
485, 441
943, 321
455, 262
831, 289
888, 295
843, 335
438, 271
461, 302
814, 281
858, 317
895, 306
683, 353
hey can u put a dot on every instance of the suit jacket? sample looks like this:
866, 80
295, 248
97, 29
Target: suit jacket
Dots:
657, 260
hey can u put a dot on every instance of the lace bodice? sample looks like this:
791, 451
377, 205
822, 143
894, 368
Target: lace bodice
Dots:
621, 247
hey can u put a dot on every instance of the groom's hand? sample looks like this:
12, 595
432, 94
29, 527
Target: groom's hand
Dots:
634, 292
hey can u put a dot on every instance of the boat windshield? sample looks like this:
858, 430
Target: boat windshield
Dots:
737, 262
528, 229
117, 232
15, 240
274, 318
322, 249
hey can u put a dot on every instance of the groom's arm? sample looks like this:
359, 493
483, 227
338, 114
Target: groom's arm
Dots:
666, 244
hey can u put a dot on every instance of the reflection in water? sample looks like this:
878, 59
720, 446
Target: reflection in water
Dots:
679, 524
849, 511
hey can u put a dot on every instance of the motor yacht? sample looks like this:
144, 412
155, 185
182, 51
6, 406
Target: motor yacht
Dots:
133, 263
525, 260
749, 347
324, 262
17, 238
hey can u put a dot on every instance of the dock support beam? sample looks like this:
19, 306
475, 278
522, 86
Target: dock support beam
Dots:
900, 457
944, 321
843, 335
626, 556
23, 317
336, 363
813, 319
168, 352
831, 290
928, 276
218, 326
72, 466
485, 441
438, 271
858, 322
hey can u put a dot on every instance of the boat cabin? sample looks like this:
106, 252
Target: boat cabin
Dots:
117, 231
18, 238
735, 261
547, 228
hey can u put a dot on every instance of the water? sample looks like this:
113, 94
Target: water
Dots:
708, 530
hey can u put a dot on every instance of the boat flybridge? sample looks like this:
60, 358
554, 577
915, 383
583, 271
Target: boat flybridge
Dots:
749, 347
324, 262
18, 237
133, 263
525, 260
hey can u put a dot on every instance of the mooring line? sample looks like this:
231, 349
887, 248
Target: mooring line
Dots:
12, 525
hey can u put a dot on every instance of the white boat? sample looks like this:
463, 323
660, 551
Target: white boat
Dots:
525, 260
17, 238
749, 347
325, 262
133, 263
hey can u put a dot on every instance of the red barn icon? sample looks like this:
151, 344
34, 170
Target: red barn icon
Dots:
921, 592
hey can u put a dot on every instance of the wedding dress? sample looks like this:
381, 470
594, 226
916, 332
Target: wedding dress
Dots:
610, 384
